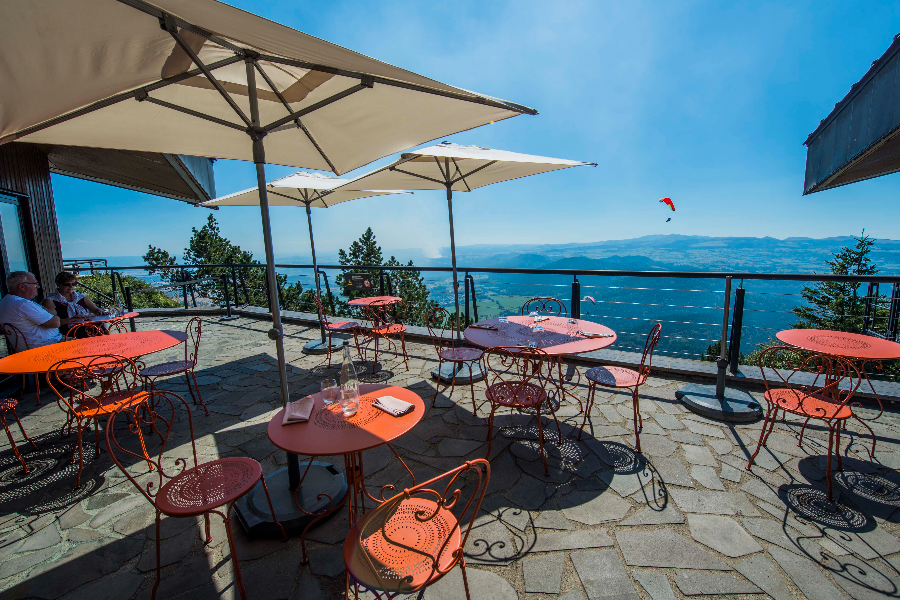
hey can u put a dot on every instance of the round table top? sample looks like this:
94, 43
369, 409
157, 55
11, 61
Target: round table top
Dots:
129, 345
559, 337
840, 343
328, 432
101, 318
375, 300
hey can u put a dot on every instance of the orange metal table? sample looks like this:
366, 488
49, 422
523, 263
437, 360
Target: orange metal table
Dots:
328, 432
129, 345
104, 318
385, 300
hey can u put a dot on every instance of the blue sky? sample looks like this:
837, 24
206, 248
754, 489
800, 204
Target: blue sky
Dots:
706, 102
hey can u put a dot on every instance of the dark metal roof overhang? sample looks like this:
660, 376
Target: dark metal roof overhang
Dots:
860, 139
186, 178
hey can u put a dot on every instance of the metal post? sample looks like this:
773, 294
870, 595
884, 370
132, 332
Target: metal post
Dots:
466, 287
129, 306
576, 298
312, 247
867, 318
234, 281
722, 363
184, 289
893, 312
737, 323
228, 314
453, 254
474, 297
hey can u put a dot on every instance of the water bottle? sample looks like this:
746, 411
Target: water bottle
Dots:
349, 384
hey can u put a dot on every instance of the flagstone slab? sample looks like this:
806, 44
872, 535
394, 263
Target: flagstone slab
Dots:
571, 540
774, 532
529, 493
655, 515
667, 421
763, 573
806, 575
657, 445
866, 544
707, 477
487, 584
722, 534
655, 584
713, 503
552, 519
729, 473
603, 575
699, 455
672, 471
543, 575
708, 584
666, 549
591, 508
685, 437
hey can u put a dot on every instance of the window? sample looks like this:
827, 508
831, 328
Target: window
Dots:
13, 247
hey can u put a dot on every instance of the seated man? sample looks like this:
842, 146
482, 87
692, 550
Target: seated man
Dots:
17, 308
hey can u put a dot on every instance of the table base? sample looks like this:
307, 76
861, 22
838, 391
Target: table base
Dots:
322, 478
461, 370
735, 407
320, 347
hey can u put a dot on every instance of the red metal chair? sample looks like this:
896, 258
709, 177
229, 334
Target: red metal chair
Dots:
412, 540
8, 405
439, 321
342, 326
621, 377
187, 490
824, 401
182, 367
85, 330
521, 378
13, 338
93, 387
546, 306
386, 318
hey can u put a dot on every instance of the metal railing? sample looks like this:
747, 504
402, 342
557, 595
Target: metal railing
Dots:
691, 305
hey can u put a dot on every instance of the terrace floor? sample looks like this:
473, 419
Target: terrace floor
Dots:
682, 519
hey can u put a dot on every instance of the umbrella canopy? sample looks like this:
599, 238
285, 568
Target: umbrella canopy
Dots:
201, 78
453, 167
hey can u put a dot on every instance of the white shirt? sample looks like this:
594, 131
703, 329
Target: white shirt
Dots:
28, 316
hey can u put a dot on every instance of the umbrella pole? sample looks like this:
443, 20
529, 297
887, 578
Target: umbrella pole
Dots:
312, 247
453, 259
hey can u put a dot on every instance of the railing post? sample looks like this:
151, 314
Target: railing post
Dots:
381, 283
722, 363
474, 297
893, 312
234, 282
184, 288
244, 286
737, 322
390, 285
129, 306
576, 298
227, 299
466, 296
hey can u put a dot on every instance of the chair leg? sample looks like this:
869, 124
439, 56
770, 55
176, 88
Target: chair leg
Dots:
453, 379
12, 443
238, 581
771, 417
403, 347
22, 429
437, 386
802, 429
541, 440
490, 435
197, 388
329, 349
284, 536
80, 457
828, 460
638, 422
462, 566
587, 409
37, 388
472, 388
356, 342
207, 526
158, 560
837, 445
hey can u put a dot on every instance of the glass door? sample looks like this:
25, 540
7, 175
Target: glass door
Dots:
13, 248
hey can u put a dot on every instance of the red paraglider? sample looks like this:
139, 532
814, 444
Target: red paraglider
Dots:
668, 202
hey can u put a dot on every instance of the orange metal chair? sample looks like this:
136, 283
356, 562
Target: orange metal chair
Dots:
386, 320
182, 367
85, 330
521, 378
187, 489
13, 337
824, 401
620, 377
439, 321
412, 540
342, 326
117, 386
546, 306
8, 405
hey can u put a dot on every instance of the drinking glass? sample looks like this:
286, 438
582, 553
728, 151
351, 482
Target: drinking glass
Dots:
349, 399
330, 391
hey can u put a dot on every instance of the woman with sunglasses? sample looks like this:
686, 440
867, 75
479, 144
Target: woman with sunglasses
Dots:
71, 306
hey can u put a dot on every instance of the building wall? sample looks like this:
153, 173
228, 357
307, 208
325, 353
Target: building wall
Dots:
25, 172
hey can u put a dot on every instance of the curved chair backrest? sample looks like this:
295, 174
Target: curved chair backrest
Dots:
780, 364
14, 336
192, 344
460, 491
113, 373
546, 306
117, 326
439, 321
519, 372
85, 330
322, 316
386, 312
649, 345
156, 426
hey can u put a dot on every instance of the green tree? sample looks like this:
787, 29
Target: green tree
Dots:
143, 295
836, 304
208, 247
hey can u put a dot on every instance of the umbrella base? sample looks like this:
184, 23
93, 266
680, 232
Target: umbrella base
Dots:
231, 318
253, 509
735, 406
320, 347
461, 371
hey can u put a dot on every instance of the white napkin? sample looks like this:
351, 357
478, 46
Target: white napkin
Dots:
594, 334
483, 326
540, 318
299, 411
393, 406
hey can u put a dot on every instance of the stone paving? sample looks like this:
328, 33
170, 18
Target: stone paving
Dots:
683, 519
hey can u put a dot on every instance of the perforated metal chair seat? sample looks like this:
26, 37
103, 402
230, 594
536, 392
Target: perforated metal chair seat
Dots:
342, 326
108, 403
168, 368
814, 405
614, 376
207, 486
461, 354
527, 394
389, 329
399, 554
8, 404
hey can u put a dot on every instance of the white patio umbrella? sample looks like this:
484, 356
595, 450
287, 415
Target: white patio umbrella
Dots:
309, 190
453, 167
199, 77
